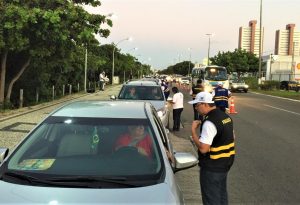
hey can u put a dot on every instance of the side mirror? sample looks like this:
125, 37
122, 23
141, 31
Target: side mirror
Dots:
113, 97
184, 160
3, 154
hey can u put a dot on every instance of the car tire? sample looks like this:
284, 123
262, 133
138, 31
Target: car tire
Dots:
245, 91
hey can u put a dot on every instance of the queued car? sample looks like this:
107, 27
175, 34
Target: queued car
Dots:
71, 158
185, 80
290, 85
146, 91
238, 85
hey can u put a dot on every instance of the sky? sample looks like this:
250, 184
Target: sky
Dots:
170, 31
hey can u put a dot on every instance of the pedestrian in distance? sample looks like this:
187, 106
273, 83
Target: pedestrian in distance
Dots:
177, 104
102, 80
215, 147
193, 92
221, 96
165, 88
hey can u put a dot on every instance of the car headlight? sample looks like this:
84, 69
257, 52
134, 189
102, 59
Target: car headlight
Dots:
234, 86
246, 86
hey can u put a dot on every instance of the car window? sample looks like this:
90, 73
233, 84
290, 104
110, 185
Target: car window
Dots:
90, 147
141, 93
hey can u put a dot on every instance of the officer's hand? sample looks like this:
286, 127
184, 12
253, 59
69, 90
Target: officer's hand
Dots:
196, 124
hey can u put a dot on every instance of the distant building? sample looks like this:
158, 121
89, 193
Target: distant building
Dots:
287, 42
249, 38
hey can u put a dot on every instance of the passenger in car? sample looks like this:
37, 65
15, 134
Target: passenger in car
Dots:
155, 94
131, 94
137, 138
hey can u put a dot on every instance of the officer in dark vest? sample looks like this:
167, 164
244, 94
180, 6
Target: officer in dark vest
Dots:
215, 149
221, 96
194, 91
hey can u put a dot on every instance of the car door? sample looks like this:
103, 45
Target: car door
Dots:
164, 137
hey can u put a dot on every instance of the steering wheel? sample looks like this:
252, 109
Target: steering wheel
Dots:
127, 151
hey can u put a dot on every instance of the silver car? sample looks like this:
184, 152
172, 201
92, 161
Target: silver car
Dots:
146, 91
91, 152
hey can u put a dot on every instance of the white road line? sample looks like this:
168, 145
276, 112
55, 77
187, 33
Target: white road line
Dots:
294, 100
282, 109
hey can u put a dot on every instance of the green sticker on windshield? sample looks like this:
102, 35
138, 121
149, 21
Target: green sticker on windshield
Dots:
36, 164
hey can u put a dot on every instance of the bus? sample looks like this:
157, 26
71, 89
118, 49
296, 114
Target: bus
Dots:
210, 76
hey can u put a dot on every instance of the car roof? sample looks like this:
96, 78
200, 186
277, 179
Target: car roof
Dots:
142, 83
104, 109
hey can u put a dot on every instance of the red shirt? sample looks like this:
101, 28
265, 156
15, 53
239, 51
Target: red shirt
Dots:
145, 143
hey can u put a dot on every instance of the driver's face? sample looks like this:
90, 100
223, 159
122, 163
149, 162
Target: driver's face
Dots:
137, 130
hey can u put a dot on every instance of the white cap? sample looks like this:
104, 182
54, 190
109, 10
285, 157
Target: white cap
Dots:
220, 83
203, 97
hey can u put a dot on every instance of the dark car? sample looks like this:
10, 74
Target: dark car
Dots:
290, 85
146, 91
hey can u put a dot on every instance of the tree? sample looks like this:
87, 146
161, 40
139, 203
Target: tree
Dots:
37, 29
239, 61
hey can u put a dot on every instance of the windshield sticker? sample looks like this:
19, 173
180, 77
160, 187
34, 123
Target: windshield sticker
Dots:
36, 164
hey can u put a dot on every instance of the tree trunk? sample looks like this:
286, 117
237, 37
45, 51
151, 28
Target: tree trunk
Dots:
2, 76
10, 86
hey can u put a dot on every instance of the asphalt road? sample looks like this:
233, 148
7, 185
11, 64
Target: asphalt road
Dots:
267, 165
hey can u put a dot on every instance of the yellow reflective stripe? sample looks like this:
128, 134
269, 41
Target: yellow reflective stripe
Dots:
216, 149
222, 155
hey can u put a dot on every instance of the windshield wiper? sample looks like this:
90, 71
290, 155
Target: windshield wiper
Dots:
34, 181
112, 180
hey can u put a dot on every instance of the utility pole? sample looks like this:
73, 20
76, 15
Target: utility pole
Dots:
260, 43
293, 66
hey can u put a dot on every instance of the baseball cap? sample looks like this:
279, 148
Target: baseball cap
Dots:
203, 97
220, 83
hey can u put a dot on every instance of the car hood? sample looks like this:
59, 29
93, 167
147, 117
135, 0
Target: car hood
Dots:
23, 194
157, 104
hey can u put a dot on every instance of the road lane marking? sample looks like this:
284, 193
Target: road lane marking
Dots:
294, 100
282, 109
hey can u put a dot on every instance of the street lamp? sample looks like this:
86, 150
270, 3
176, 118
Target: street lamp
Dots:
208, 50
113, 57
260, 43
189, 62
85, 60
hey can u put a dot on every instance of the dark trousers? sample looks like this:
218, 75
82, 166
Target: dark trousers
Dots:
176, 118
101, 85
223, 108
213, 187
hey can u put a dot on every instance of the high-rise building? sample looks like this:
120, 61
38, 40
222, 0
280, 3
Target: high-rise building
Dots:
287, 42
249, 38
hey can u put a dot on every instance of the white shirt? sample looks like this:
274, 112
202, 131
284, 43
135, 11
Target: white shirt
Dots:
178, 100
101, 76
208, 132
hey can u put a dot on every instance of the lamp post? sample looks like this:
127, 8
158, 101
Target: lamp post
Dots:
113, 57
85, 69
260, 43
293, 63
189, 61
85, 59
271, 61
208, 50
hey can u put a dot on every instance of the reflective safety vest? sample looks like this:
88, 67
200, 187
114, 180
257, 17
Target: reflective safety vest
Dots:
196, 89
221, 97
221, 155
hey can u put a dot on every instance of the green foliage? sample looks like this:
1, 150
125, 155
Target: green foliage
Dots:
238, 61
52, 31
252, 82
181, 68
270, 85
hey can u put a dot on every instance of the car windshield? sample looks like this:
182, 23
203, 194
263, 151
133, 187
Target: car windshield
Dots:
238, 81
215, 73
141, 93
87, 147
